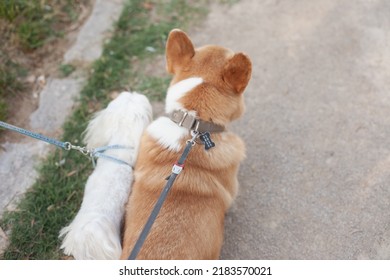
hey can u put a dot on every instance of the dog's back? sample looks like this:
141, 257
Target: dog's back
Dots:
190, 224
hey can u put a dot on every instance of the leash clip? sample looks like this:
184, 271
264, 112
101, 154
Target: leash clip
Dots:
195, 135
84, 150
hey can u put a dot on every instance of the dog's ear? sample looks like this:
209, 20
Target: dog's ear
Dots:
237, 72
179, 50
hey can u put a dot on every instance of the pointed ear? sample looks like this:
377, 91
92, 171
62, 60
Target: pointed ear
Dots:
237, 72
179, 50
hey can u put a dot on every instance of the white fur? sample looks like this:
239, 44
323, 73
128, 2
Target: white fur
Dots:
95, 231
177, 91
167, 133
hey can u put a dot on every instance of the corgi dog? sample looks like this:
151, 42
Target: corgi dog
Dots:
205, 95
95, 232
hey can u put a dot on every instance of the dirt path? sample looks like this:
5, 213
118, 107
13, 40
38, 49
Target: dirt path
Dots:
315, 184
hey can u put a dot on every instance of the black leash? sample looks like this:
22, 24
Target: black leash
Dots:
176, 169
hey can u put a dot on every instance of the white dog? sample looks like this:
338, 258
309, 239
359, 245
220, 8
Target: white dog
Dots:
95, 231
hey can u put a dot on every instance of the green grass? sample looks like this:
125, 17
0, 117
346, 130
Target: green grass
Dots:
56, 196
154, 87
26, 26
9, 82
36, 21
66, 69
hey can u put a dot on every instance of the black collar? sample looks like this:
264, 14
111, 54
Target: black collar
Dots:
182, 118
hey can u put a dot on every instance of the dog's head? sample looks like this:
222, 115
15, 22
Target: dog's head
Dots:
122, 122
209, 80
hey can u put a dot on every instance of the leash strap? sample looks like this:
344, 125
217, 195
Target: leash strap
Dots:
63, 145
93, 153
176, 169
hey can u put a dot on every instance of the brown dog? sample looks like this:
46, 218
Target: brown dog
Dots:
206, 94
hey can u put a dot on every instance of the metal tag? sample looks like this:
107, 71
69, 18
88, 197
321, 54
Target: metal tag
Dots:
206, 140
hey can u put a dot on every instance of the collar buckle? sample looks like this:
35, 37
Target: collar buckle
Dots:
184, 119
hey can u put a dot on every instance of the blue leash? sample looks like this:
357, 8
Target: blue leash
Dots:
63, 145
93, 153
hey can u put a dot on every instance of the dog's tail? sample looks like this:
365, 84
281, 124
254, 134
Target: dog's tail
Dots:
91, 237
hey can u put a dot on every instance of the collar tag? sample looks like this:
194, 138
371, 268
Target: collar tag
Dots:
206, 140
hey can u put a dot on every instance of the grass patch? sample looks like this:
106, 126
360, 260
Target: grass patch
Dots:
55, 198
154, 87
36, 21
66, 69
26, 26
9, 82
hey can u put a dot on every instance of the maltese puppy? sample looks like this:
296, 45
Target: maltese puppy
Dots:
95, 232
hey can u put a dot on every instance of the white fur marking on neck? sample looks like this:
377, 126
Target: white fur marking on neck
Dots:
167, 133
177, 91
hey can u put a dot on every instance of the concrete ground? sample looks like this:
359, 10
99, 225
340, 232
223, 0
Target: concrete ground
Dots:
315, 184
316, 181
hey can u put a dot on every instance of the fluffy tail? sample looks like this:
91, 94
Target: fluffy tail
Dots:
91, 238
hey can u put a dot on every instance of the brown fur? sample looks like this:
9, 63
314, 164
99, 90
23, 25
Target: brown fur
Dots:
191, 222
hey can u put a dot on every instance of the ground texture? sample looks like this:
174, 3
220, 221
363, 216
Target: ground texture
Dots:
315, 184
